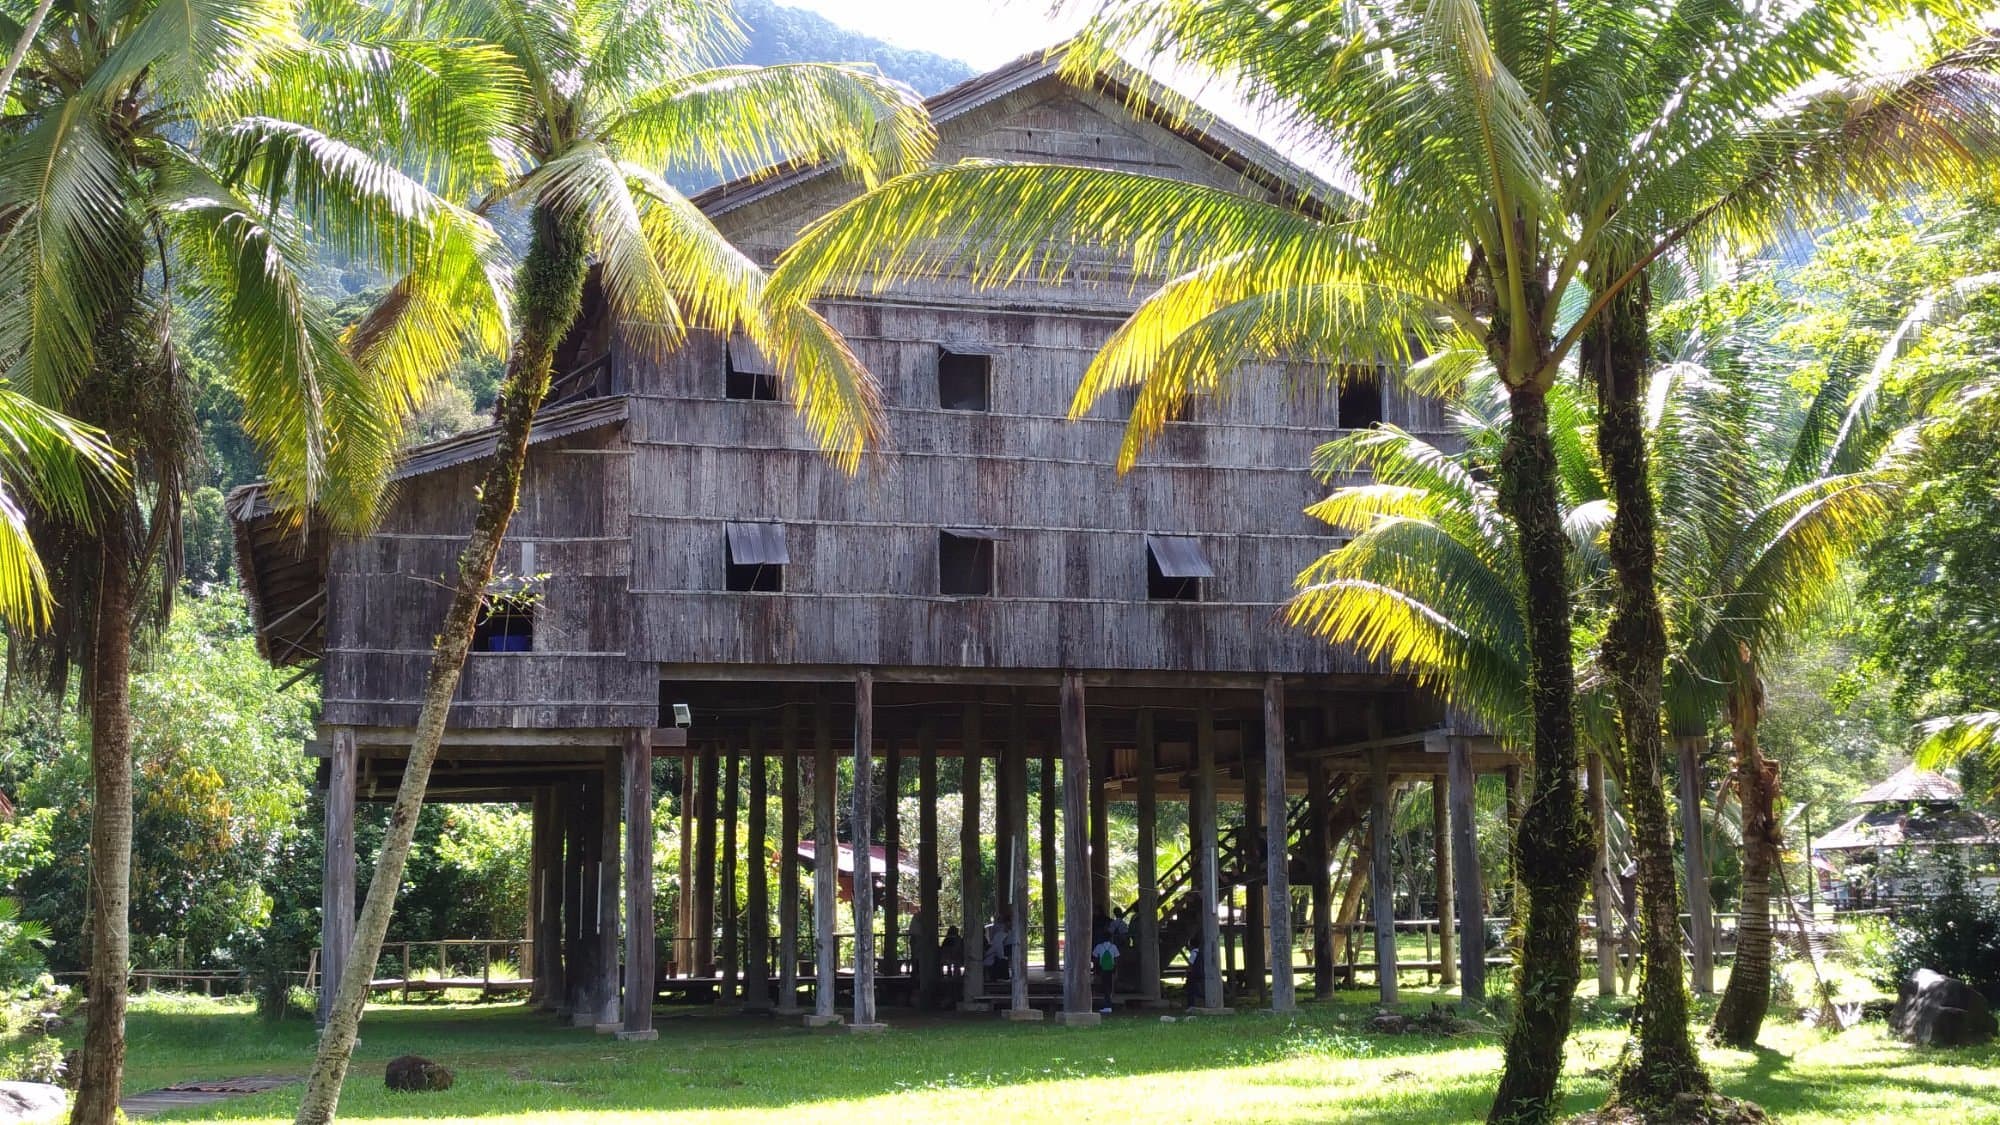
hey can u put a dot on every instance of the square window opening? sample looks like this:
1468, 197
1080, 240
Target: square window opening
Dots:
745, 382
754, 557
1162, 587
965, 381
965, 565
752, 578
1360, 405
506, 623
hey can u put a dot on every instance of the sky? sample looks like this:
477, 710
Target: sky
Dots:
983, 33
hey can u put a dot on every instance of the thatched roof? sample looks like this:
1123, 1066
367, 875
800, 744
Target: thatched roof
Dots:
1912, 784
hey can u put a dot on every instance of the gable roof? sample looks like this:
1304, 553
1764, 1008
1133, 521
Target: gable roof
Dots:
1228, 145
1911, 784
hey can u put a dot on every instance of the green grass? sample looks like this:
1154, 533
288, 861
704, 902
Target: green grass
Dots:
1320, 1065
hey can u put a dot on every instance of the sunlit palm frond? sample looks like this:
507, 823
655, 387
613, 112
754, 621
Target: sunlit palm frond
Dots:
60, 466
1950, 739
744, 120
193, 49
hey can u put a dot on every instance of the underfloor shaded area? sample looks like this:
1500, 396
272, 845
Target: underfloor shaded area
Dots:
1320, 1064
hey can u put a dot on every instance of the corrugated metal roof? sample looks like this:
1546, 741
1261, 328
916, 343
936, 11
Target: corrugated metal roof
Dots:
758, 544
1179, 556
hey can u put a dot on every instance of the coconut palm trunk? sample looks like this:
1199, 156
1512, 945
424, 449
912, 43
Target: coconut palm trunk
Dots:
1553, 849
110, 832
1747, 997
550, 296
1615, 357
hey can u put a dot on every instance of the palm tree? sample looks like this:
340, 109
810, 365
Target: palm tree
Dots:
606, 94
169, 172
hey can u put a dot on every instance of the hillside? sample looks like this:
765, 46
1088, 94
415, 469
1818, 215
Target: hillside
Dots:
780, 35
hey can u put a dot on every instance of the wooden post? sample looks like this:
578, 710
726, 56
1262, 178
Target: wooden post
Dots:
1701, 917
971, 929
892, 850
1447, 913
788, 861
757, 855
639, 941
336, 918
1600, 879
861, 832
926, 935
684, 915
1471, 897
1097, 751
1381, 879
531, 955
732, 779
575, 900
548, 926
608, 1013
1278, 867
826, 872
1253, 839
1146, 927
1076, 859
1003, 835
704, 864
1318, 816
1015, 769
1201, 825
1051, 894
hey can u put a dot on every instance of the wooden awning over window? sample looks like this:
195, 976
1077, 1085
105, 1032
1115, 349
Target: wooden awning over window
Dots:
1179, 556
758, 544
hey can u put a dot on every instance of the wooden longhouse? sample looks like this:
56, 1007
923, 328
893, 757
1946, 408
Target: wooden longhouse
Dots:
987, 588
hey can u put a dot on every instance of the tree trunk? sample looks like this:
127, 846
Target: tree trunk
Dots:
1740, 1016
1552, 849
1615, 357
21, 45
110, 686
551, 293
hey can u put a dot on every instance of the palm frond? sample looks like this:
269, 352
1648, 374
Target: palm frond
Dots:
57, 464
1950, 739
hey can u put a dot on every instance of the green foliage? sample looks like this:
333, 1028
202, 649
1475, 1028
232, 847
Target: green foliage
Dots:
1953, 928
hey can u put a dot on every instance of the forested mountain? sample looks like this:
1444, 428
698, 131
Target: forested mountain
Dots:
780, 35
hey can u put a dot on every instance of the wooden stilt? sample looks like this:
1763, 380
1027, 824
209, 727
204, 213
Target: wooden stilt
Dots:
892, 848
1201, 825
1003, 837
1701, 917
1600, 880
1051, 893
1098, 754
640, 971
704, 862
1470, 896
1256, 983
548, 932
1318, 817
757, 857
575, 900
1076, 859
1447, 913
608, 1014
538, 821
685, 913
732, 778
1381, 879
337, 874
826, 872
861, 833
788, 861
1015, 771
971, 925
1278, 862
925, 935
1146, 927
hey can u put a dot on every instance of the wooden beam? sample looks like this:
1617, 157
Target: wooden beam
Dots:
1319, 818
337, 874
971, 931
575, 898
892, 846
788, 862
1201, 825
862, 834
1097, 751
1076, 858
1051, 894
826, 868
1255, 931
1278, 869
704, 863
548, 933
684, 918
608, 1012
1470, 896
732, 779
1146, 928
1381, 878
640, 968
1447, 913
1016, 919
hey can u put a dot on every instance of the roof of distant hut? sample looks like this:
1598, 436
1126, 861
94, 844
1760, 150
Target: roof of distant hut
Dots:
1912, 784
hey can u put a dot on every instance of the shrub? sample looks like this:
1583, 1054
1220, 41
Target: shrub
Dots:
1955, 930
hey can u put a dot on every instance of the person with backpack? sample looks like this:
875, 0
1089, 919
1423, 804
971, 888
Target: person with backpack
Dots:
1103, 961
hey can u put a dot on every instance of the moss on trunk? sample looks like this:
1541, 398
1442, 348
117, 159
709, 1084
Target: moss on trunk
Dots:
1740, 1016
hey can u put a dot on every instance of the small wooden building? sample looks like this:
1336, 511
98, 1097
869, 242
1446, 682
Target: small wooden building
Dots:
707, 584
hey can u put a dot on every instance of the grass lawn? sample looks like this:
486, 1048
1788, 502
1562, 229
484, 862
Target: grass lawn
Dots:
1321, 1065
